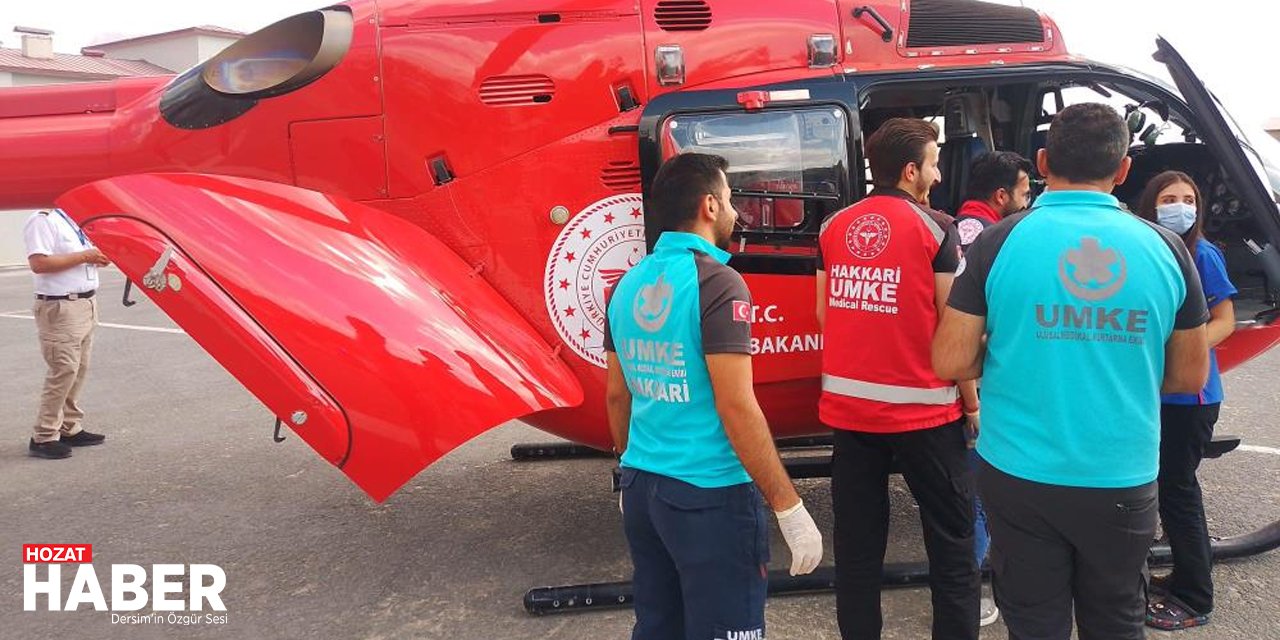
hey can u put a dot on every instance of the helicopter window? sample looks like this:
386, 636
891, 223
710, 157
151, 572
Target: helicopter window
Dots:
1148, 120
785, 167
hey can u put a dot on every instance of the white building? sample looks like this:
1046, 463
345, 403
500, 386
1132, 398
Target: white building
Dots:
35, 62
174, 50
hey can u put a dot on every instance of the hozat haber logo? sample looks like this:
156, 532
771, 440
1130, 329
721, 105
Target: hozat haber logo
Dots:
589, 256
156, 594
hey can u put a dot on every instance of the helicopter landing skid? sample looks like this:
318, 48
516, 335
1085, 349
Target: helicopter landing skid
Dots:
614, 595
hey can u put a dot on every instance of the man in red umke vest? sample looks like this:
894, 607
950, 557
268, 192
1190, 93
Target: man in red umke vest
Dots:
886, 265
999, 186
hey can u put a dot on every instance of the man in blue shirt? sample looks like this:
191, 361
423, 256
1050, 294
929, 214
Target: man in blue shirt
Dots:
1089, 313
683, 413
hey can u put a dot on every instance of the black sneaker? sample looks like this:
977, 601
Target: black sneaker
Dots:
54, 450
84, 439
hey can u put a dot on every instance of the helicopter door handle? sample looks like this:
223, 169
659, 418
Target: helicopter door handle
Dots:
154, 279
886, 31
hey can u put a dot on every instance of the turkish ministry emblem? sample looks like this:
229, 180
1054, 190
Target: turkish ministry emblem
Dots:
867, 236
1091, 272
589, 256
652, 305
969, 229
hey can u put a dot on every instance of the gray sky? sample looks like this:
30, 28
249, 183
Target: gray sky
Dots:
1218, 37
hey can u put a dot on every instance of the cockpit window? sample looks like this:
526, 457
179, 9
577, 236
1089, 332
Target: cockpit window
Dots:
1150, 120
1262, 150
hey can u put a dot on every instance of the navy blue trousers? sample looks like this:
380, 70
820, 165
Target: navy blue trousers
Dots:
699, 557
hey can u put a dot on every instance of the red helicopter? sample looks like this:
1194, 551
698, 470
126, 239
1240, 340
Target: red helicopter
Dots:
394, 221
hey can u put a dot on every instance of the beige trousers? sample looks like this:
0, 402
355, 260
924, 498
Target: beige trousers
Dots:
66, 338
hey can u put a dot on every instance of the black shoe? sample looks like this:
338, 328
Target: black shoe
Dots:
84, 439
54, 450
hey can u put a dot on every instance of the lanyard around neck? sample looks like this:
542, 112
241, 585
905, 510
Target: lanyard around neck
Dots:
84, 240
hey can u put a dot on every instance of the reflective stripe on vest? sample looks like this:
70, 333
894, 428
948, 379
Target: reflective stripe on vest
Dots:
888, 393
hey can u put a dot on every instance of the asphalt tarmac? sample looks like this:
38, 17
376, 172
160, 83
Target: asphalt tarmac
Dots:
189, 474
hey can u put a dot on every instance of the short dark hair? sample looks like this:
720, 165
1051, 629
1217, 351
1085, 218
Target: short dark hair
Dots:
680, 185
1086, 143
1147, 204
993, 171
897, 143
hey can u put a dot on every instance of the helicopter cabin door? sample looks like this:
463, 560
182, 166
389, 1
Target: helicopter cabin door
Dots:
788, 152
1240, 161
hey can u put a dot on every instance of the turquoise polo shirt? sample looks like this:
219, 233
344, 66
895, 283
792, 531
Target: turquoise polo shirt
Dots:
1079, 298
665, 315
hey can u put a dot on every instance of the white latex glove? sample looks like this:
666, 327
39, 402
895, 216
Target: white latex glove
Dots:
802, 537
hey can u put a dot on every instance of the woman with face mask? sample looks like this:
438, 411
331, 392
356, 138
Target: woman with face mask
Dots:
1184, 598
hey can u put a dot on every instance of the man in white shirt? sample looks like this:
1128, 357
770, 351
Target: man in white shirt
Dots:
65, 265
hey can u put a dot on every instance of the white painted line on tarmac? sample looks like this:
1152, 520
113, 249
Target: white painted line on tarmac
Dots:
133, 327
130, 327
1260, 449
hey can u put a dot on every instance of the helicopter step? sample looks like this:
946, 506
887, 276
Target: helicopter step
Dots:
536, 451
532, 452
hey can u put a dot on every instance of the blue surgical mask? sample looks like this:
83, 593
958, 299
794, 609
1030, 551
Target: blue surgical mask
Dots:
1176, 216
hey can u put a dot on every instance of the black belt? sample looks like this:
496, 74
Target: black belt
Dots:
74, 296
